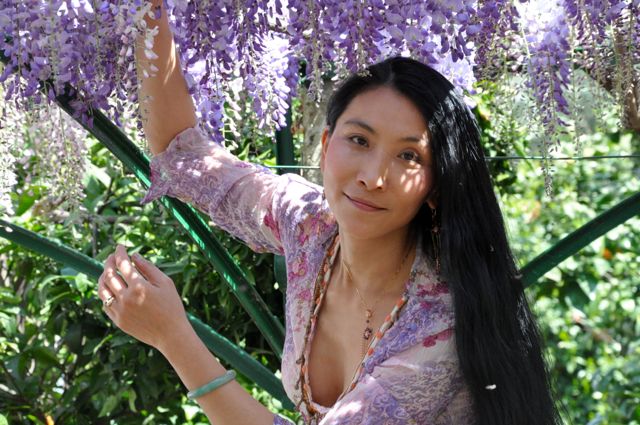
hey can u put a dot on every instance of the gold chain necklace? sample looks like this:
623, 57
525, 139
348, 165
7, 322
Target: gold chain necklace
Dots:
368, 330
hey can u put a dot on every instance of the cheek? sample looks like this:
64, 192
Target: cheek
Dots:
336, 161
416, 185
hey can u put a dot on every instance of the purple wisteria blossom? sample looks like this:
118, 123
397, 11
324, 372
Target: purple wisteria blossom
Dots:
494, 32
591, 20
25, 141
90, 46
69, 42
634, 16
251, 53
549, 69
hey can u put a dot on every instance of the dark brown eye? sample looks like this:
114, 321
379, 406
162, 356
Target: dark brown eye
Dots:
358, 140
410, 156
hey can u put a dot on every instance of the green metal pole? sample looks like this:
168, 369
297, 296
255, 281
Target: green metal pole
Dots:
52, 249
580, 238
284, 146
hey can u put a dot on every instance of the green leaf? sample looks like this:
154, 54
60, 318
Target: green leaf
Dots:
8, 297
554, 274
132, 395
97, 173
68, 271
83, 284
73, 337
577, 297
35, 419
44, 355
27, 198
190, 411
109, 405
120, 339
93, 345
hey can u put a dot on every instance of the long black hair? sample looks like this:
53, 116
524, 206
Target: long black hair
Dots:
498, 342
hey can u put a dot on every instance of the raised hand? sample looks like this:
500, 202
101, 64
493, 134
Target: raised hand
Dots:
141, 300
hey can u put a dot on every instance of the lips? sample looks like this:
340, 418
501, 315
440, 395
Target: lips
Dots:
364, 202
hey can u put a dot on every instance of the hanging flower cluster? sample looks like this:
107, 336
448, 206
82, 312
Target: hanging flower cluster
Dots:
7, 163
495, 39
58, 166
55, 43
549, 75
593, 22
549, 69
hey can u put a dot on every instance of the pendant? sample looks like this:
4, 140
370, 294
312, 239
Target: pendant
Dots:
367, 333
369, 313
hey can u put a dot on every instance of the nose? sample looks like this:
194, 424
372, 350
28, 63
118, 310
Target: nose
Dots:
374, 172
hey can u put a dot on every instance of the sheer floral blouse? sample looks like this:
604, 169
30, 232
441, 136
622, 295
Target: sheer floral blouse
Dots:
412, 374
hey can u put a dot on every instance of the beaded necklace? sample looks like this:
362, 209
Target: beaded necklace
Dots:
369, 311
319, 291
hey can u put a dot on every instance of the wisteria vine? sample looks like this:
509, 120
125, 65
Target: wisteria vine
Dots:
256, 53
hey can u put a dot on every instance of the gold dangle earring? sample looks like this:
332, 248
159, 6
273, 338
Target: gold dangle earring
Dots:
435, 239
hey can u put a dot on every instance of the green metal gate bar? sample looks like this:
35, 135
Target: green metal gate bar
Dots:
284, 146
219, 345
580, 238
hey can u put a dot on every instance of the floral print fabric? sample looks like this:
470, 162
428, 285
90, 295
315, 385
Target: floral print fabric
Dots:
413, 376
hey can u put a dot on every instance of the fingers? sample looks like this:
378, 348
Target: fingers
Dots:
149, 270
112, 282
127, 280
126, 268
103, 292
111, 314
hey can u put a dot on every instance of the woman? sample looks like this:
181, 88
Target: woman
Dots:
404, 303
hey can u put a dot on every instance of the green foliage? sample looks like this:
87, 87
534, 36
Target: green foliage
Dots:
588, 307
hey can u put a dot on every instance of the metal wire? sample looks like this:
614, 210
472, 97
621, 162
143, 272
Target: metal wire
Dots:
560, 158
496, 158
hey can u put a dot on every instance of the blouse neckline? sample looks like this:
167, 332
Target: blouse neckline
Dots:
317, 305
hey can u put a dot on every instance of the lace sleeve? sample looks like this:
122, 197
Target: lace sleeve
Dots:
261, 208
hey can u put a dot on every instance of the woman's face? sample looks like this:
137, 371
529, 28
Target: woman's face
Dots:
378, 153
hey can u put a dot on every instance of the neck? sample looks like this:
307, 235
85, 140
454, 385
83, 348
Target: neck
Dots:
376, 265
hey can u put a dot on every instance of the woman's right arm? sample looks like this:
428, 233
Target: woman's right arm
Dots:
167, 89
270, 213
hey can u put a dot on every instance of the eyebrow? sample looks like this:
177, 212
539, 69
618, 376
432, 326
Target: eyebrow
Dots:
362, 124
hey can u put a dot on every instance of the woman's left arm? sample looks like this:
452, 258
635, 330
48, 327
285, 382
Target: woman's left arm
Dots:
147, 306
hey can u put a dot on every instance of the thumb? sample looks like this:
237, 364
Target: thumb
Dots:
153, 274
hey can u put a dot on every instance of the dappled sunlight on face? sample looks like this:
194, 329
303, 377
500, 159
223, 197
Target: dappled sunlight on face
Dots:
413, 179
378, 153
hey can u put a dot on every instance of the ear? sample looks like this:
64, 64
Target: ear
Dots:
432, 198
325, 146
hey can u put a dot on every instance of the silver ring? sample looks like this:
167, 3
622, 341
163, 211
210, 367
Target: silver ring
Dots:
109, 301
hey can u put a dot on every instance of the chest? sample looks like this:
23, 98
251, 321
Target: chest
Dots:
337, 343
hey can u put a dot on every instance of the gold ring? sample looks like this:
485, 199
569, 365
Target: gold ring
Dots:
109, 301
